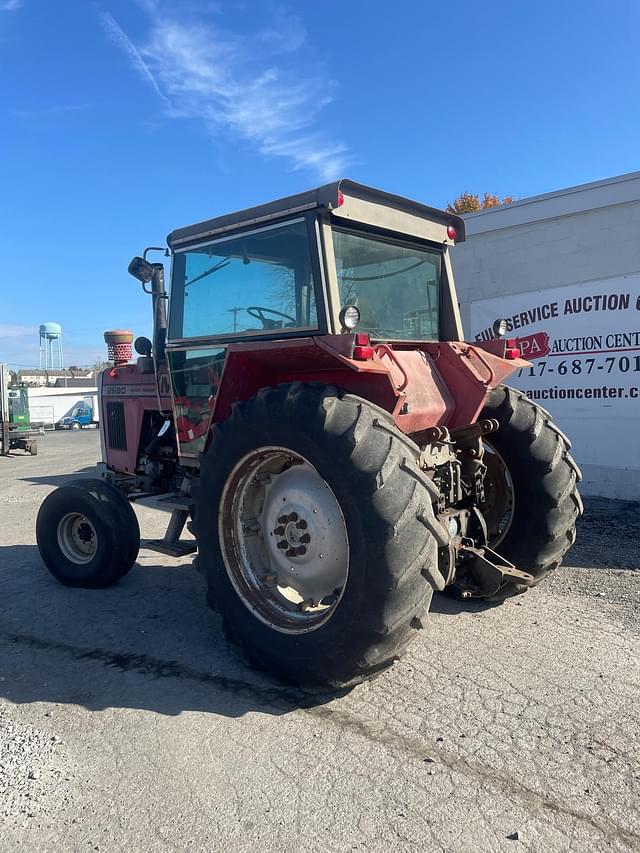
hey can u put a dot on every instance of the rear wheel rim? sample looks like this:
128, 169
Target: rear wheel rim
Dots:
499, 504
284, 540
77, 538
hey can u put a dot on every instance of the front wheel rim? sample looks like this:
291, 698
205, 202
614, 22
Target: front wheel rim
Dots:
284, 540
77, 538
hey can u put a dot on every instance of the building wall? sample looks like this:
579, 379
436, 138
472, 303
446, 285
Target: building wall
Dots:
550, 242
596, 244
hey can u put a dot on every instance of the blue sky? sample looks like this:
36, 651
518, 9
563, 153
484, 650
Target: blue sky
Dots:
121, 120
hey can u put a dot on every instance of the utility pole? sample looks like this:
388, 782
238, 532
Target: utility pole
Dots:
235, 311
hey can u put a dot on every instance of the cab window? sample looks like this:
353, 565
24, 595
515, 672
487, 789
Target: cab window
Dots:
395, 286
259, 282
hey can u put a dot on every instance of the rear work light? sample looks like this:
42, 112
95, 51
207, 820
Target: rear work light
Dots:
349, 317
362, 350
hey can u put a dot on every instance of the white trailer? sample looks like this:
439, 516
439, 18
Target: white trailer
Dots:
49, 406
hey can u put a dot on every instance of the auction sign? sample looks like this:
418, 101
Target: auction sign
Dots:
583, 342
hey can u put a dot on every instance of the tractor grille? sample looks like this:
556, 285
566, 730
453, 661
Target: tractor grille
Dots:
116, 427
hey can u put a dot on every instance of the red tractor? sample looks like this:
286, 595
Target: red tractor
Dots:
309, 411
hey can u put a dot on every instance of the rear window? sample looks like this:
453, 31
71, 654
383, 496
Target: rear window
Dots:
395, 286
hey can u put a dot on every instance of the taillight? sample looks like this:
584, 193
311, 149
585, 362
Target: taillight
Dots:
451, 232
363, 353
362, 350
340, 198
511, 348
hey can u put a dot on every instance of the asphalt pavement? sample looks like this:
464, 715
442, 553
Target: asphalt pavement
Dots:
127, 722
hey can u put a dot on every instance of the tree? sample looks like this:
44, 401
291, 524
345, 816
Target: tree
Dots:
470, 202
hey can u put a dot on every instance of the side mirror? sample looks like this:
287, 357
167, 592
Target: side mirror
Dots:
141, 269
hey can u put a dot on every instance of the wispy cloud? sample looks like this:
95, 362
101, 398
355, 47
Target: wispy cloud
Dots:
252, 87
10, 5
122, 40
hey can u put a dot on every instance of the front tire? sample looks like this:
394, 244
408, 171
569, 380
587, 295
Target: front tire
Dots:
299, 448
88, 534
531, 487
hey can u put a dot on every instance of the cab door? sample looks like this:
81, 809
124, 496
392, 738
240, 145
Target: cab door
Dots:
195, 378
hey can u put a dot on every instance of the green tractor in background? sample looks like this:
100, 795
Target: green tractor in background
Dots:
21, 434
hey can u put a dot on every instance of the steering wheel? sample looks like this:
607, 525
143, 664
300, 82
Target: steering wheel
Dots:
258, 312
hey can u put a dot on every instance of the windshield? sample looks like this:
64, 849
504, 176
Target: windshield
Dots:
18, 407
394, 286
256, 282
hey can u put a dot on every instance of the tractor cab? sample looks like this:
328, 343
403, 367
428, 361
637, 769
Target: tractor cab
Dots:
19, 408
344, 258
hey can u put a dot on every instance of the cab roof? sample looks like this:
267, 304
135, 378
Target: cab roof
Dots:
328, 197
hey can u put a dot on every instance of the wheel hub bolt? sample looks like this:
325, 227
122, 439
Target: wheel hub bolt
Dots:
296, 552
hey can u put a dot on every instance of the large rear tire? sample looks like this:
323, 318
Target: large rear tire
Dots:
88, 534
531, 487
317, 535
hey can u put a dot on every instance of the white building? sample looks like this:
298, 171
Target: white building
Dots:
48, 406
564, 268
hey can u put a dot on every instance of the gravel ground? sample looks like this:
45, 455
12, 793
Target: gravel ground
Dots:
128, 723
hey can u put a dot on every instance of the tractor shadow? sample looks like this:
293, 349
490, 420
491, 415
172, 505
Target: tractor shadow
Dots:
150, 642
449, 605
60, 479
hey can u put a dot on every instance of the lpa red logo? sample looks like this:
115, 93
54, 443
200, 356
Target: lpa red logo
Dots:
534, 346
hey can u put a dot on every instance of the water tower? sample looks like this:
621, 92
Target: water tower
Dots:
51, 346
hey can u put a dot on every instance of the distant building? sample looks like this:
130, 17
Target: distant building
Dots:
71, 377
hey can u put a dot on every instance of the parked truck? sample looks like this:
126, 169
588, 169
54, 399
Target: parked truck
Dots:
82, 415
310, 411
